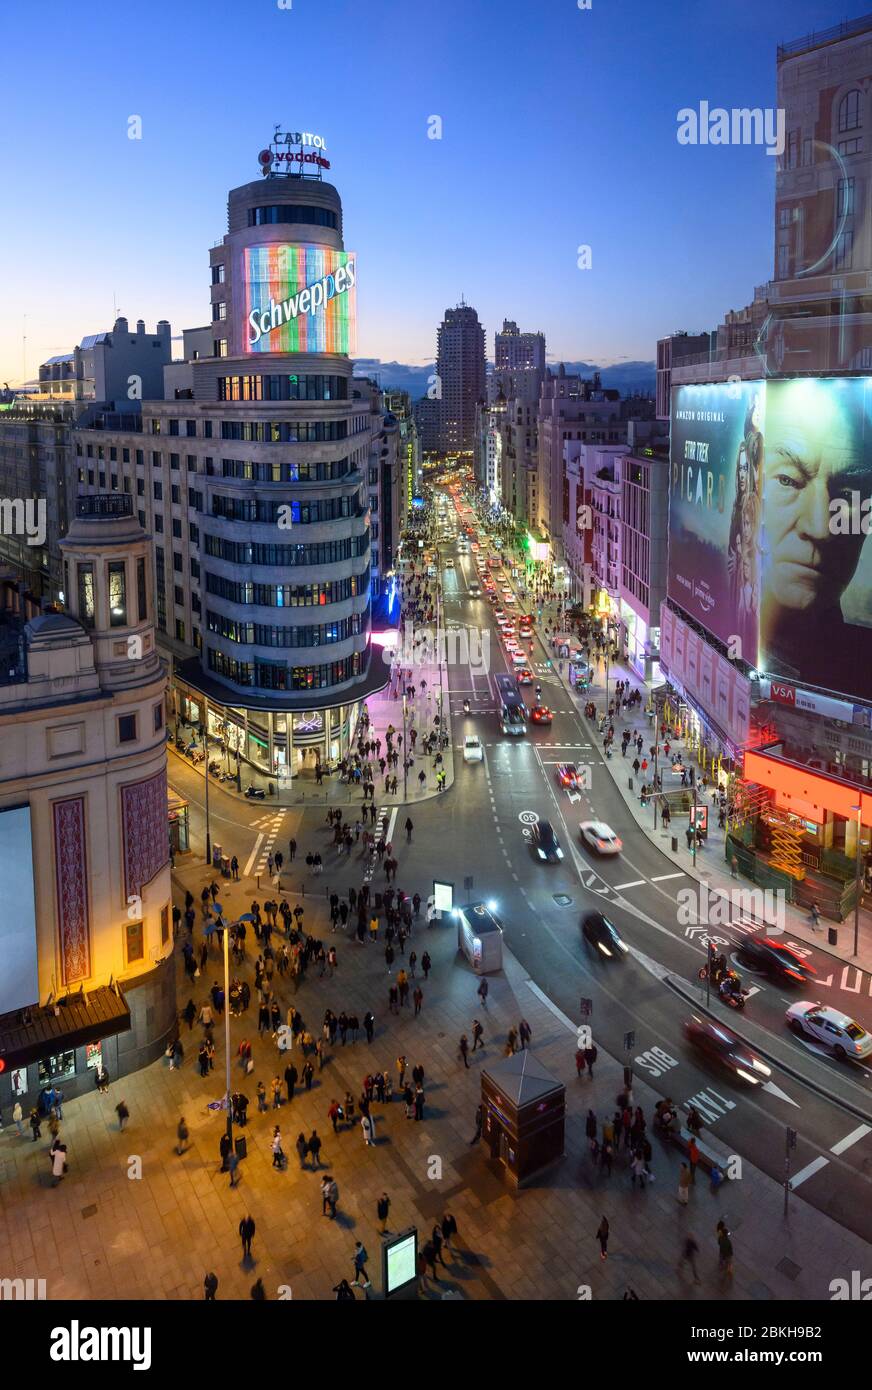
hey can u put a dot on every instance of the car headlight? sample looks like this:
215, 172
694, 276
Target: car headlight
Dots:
541, 854
748, 1076
605, 950
560, 854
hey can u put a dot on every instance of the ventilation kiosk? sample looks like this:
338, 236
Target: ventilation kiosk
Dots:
480, 937
523, 1115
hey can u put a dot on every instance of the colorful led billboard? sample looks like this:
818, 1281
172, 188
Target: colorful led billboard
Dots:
299, 298
770, 501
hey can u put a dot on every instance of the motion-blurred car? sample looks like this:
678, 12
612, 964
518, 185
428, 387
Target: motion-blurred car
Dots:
829, 1026
541, 714
525, 676
776, 959
599, 837
472, 749
545, 843
567, 775
603, 935
718, 1044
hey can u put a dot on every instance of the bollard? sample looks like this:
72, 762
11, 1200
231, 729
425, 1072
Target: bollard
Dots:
629, 784
674, 844
832, 936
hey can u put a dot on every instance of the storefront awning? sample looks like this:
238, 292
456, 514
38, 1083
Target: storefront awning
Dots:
81, 1018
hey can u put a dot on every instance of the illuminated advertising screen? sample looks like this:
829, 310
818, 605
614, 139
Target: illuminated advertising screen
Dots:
400, 1259
19, 980
770, 500
299, 298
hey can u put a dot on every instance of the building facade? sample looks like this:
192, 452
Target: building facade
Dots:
460, 378
83, 819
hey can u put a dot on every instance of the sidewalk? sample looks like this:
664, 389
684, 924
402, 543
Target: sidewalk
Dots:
711, 867
385, 707
102, 1235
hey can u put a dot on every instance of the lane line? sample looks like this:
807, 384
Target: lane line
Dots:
853, 1138
636, 883
808, 1172
661, 878
251, 858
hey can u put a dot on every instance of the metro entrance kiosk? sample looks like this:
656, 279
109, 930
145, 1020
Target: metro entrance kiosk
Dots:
480, 938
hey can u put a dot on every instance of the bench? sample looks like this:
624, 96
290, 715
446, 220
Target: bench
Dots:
707, 1156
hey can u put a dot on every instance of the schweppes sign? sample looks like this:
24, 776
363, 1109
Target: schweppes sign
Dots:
299, 298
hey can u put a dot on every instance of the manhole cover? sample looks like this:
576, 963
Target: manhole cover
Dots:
561, 899
788, 1268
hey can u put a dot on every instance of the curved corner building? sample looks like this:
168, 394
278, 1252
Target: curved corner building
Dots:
284, 543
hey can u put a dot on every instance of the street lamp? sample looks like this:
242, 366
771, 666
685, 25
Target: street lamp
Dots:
405, 751
225, 933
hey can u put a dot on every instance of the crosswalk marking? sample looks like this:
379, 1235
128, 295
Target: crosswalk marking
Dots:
807, 1172
850, 1139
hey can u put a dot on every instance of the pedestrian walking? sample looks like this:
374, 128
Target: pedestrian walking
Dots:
602, 1236
246, 1233
590, 1056
525, 1033
815, 917
725, 1249
464, 1050
684, 1181
181, 1135
122, 1112
689, 1252
426, 962
210, 1287
361, 1278
383, 1206
482, 992
367, 1126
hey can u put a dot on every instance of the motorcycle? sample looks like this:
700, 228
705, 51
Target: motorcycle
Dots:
255, 793
730, 991
466, 707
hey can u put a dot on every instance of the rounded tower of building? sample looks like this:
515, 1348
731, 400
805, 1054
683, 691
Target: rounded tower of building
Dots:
285, 527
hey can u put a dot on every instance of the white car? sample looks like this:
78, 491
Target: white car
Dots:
472, 749
449, 563
829, 1026
600, 837
519, 661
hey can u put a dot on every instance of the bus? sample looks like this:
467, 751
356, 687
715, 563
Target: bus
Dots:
513, 711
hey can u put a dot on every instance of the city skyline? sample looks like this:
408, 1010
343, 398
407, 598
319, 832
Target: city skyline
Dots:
415, 203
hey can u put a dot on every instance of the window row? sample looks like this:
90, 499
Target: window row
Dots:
255, 553
302, 513
285, 432
275, 472
293, 212
267, 635
274, 387
275, 676
245, 592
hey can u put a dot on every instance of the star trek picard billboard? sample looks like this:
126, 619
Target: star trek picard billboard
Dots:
770, 504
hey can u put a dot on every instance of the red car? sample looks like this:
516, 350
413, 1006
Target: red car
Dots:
541, 714
567, 775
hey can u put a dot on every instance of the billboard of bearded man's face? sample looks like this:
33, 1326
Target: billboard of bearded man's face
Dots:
816, 588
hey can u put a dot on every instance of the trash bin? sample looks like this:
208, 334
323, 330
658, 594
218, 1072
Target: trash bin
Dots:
216, 856
225, 865
241, 1147
832, 936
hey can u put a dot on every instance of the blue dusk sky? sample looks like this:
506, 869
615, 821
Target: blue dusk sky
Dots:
558, 130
